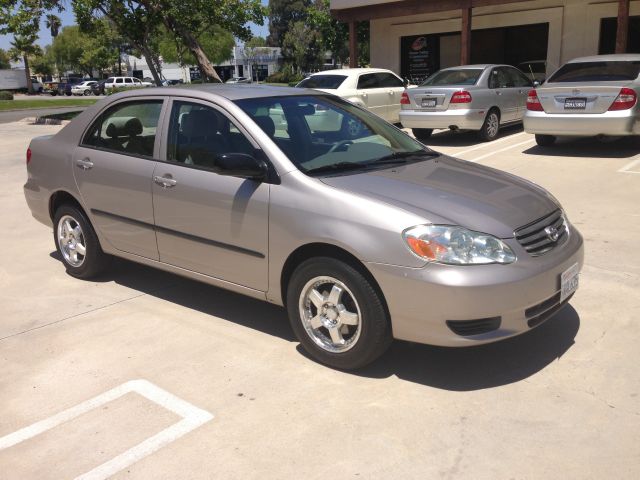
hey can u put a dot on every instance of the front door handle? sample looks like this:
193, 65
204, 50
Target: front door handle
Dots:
84, 164
165, 182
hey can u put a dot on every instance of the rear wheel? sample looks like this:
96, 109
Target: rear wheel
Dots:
545, 140
422, 133
77, 243
336, 313
491, 126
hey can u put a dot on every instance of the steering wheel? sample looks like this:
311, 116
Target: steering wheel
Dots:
339, 147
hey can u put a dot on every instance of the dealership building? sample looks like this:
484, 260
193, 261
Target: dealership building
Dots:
417, 37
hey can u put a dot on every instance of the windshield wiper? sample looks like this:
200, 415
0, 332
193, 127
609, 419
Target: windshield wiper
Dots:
337, 167
401, 157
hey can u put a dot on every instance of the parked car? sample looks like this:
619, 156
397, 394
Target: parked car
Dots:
98, 88
125, 82
375, 89
586, 97
238, 80
83, 88
65, 87
362, 240
471, 97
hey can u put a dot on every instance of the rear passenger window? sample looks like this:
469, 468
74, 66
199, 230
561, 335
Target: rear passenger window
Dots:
198, 135
368, 80
388, 80
129, 128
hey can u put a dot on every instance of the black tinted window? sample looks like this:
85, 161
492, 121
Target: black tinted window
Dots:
463, 76
500, 78
597, 72
517, 78
198, 135
388, 80
323, 81
129, 128
368, 80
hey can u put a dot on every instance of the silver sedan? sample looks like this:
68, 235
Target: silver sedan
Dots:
472, 97
586, 97
263, 191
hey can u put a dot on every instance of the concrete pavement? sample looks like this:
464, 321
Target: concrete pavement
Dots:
558, 403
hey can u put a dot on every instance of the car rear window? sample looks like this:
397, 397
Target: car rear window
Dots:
323, 81
596, 72
463, 76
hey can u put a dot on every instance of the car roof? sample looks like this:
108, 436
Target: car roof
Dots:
477, 66
228, 91
351, 71
615, 57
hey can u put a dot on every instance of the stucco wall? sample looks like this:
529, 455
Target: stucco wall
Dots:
574, 27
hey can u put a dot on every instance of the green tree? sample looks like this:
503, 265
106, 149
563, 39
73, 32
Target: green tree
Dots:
81, 52
216, 43
5, 61
303, 46
53, 23
44, 64
256, 42
283, 14
23, 47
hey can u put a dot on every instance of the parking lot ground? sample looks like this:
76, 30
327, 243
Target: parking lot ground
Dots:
561, 402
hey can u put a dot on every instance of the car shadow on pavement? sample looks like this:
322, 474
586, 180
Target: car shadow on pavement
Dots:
448, 138
484, 366
591, 147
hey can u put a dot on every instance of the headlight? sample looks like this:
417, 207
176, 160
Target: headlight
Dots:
456, 245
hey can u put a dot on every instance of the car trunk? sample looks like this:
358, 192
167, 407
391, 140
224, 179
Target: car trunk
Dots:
432, 99
597, 97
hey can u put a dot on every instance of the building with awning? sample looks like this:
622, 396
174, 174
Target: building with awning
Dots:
417, 37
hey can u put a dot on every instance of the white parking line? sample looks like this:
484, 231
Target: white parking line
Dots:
629, 166
481, 157
192, 418
490, 144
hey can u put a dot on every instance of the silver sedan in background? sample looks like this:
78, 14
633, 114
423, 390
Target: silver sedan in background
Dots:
471, 97
586, 97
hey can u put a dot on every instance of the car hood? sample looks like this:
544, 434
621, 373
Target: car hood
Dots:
449, 191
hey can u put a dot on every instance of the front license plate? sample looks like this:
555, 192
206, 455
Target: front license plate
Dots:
569, 281
428, 102
575, 103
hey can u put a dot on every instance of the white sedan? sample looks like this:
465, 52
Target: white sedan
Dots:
83, 88
376, 89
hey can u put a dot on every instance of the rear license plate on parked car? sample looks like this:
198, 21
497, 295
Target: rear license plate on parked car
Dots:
428, 102
569, 281
575, 103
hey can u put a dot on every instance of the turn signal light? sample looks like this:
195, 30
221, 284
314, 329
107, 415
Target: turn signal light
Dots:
625, 100
404, 99
461, 97
533, 102
28, 155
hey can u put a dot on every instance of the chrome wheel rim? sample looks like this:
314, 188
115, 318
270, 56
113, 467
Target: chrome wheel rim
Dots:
71, 241
492, 124
330, 314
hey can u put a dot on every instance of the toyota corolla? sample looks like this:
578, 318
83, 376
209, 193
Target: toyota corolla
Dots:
362, 239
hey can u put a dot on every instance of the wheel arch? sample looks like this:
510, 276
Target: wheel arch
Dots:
62, 197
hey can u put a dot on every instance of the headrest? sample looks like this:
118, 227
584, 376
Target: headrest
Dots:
199, 123
123, 126
266, 124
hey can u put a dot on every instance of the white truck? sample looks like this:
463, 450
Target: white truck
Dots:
16, 79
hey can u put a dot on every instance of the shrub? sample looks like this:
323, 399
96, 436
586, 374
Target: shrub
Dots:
284, 76
6, 95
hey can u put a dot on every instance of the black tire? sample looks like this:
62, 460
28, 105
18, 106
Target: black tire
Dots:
488, 132
95, 260
545, 140
87, 93
422, 133
373, 324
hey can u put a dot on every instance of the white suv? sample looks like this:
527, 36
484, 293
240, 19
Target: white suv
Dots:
125, 82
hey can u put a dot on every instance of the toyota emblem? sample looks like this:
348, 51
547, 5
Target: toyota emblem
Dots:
552, 233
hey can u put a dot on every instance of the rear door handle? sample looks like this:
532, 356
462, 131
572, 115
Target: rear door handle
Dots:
165, 182
84, 164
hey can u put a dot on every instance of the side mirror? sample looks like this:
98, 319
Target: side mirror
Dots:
405, 82
241, 165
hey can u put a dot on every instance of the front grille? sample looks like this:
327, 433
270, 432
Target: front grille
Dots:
538, 237
544, 310
466, 328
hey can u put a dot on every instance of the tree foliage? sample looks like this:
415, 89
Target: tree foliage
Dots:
5, 61
44, 64
81, 52
216, 43
303, 46
283, 14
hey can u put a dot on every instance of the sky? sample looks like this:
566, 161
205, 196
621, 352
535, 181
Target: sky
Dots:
68, 18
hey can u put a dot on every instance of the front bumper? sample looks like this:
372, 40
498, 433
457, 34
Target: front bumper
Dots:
464, 119
616, 123
421, 300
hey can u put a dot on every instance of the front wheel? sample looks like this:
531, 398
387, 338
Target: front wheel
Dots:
77, 243
545, 140
490, 127
87, 93
337, 314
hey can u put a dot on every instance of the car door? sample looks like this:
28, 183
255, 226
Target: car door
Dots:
395, 88
209, 223
500, 84
374, 96
522, 86
113, 167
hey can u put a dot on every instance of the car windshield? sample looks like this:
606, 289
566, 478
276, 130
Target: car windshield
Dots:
463, 76
323, 81
325, 135
596, 72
